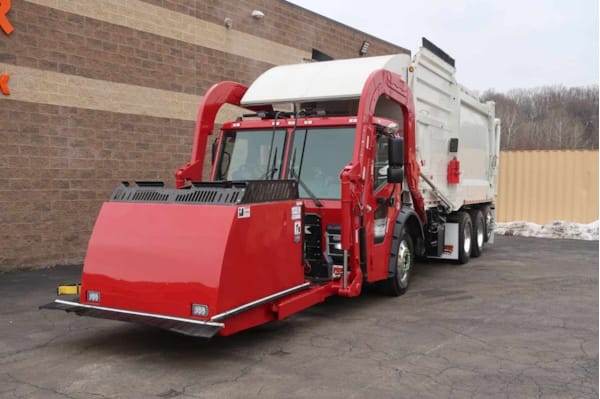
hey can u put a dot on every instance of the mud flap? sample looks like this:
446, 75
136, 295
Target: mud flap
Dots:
191, 327
451, 242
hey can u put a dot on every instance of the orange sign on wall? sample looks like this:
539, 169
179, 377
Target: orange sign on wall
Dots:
4, 84
4, 22
7, 27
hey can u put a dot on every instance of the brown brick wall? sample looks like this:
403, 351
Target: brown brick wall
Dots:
57, 166
286, 23
62, 42
59, 163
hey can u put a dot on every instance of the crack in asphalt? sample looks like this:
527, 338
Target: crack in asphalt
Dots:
489, 329
38, 387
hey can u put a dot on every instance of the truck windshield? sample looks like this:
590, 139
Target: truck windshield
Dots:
317, 157
251, 155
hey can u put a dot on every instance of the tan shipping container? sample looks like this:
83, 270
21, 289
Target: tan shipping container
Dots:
542, 186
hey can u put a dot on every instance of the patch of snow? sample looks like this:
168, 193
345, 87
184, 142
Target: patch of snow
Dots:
554, 229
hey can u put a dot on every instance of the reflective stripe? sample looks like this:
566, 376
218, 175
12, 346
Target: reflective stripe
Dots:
259, 302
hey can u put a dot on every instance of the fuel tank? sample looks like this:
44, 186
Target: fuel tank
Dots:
202, 260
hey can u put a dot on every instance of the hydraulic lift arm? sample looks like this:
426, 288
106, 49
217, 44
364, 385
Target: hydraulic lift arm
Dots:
218, 95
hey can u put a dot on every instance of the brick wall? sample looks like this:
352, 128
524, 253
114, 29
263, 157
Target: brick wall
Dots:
59, 41
55, 178
286, 23
96, 100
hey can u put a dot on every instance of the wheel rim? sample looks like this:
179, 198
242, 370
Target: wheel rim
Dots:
403, 264
467, 238
488, 223
480, 233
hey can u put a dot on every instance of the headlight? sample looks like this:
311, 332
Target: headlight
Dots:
93, 296
199, 310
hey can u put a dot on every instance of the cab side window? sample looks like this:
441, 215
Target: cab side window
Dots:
380, 166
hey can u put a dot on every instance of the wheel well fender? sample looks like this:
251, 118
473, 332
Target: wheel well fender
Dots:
409, 220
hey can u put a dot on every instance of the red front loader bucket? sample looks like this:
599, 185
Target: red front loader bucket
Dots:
201, 261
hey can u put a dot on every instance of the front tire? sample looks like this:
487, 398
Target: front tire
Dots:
398, 283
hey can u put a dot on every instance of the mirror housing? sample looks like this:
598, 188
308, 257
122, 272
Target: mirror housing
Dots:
396, 151
395, 172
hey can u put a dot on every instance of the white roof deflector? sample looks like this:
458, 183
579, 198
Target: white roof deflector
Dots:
320, 81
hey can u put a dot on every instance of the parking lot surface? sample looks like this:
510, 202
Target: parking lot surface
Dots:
519, 322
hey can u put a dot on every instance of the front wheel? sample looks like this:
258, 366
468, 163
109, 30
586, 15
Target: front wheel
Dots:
398, 283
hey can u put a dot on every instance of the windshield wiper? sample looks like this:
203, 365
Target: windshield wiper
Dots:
273, 169
310, 193
271, 146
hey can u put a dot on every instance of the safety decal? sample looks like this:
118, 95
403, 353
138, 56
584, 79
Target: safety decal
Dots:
243, 212
296, 213
297, 230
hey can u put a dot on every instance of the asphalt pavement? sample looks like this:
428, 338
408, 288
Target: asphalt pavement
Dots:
519, 322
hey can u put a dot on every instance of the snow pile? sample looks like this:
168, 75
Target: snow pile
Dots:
555, 229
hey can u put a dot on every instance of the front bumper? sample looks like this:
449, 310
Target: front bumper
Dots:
195, 328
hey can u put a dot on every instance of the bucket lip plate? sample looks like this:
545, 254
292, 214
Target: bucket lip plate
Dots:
197, 328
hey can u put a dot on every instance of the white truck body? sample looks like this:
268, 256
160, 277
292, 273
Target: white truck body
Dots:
444, 110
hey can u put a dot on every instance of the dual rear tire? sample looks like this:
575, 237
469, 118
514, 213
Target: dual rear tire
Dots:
478, 233
465, 235
473, 232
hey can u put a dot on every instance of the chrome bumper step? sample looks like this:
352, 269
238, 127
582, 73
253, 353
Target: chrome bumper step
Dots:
194, 328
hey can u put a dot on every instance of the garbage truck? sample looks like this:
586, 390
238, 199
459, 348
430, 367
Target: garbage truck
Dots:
335, 175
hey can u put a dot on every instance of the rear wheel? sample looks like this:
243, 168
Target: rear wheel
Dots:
478, 237
465, 236
487, 221
398, 283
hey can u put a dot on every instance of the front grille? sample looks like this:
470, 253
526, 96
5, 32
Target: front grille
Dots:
222, 193
270, 190
210, 195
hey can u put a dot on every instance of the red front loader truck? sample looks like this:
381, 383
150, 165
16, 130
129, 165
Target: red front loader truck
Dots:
337, 174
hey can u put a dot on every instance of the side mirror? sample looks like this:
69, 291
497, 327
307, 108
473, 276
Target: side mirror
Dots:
395, 172
396, 151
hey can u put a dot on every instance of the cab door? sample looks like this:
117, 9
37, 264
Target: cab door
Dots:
380, 215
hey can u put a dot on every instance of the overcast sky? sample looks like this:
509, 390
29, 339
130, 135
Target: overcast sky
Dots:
500, 44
